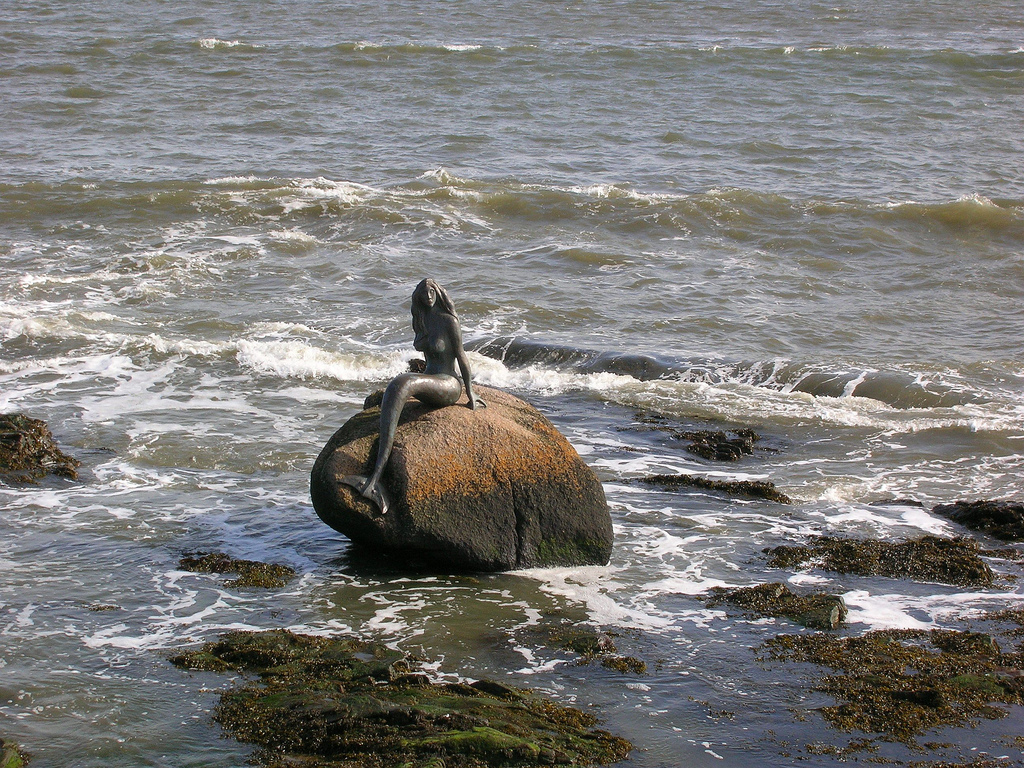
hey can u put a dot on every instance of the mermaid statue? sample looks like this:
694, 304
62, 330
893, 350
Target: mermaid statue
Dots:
439, 338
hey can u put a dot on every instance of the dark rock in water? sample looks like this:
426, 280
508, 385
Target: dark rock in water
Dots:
716, 445
11, 755
250, 572
711, 444
28, 451
492, 489
1002, 519
928, 558
896, 503
342, 702
902, 683
818, 611
757, 489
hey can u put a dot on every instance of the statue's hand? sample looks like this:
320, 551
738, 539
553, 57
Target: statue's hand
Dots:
476, 402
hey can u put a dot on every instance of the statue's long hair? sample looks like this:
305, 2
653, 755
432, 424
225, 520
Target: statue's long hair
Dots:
418, 298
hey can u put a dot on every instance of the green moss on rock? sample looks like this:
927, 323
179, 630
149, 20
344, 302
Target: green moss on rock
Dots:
251, 573
11, 755
342, 702
928, 558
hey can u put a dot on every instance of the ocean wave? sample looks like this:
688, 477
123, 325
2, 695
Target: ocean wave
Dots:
439, 198
894, 402
968, 211
214, 44
894, 388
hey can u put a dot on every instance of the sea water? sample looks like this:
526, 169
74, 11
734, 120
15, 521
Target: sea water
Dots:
797, 217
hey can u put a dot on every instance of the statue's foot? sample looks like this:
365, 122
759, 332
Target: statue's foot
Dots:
377, 496
374, 494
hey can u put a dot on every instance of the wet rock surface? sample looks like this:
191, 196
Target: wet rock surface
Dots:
904, 683
928, 558
754, 489
250, 573
816, 611
28, 451
342, 702
1002, 519
489, 490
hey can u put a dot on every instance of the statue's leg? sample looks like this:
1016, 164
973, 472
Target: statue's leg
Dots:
437, 390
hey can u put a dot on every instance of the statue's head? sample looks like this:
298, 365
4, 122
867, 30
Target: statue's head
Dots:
429, 294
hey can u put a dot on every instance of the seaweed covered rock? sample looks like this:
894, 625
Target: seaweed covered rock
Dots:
716, 445
710, 444
928, 558
1002, 519
492, 489
28, 451
817, 611
342, 702
902, 683
11, 755
250, 573
755, 489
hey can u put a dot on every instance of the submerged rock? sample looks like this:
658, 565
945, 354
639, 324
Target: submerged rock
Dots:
715, 445
29, 452
710, 444
928, 558
1002, 519
902, 683
817, 611
756, 489
492, 489
250, 572
344, 702
593, 645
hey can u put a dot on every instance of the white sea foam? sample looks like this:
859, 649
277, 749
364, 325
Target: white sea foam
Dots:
213, 43
594, 587
295, 359
898, 611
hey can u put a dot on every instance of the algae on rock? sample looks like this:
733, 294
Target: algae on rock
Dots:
817, 611
928, 558
902, 683
251, 573
29, 452
756, 489
342, 703
11, 755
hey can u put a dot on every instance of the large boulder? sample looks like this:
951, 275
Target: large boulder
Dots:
493, 489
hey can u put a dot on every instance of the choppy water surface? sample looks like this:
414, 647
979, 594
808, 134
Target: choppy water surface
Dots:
802, 218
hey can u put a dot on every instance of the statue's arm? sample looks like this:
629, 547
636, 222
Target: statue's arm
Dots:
467, 375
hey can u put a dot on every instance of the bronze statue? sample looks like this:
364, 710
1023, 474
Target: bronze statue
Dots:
439, 338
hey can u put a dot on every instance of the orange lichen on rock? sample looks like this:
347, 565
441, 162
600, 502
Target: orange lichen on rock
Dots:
487, 489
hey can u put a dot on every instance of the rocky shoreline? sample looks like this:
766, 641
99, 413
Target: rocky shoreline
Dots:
346, 702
